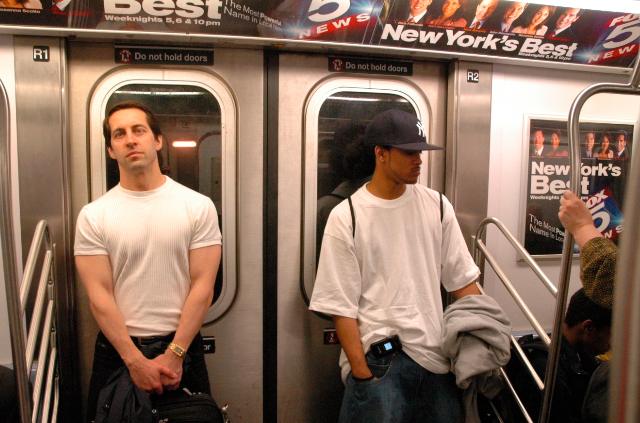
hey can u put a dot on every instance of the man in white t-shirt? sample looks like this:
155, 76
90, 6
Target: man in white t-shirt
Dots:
147, 253
379, 276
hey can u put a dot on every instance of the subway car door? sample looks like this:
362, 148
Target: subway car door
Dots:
314, 103
212, 120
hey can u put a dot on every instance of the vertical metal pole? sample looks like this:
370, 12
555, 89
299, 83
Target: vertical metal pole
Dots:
16, 327
573, 125
624, 385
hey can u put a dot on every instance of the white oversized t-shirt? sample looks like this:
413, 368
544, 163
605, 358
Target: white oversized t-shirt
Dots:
388, 276
147, 236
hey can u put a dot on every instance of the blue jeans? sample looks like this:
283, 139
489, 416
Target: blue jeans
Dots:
401, 392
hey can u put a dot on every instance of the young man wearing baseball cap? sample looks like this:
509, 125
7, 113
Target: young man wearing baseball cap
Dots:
379, 275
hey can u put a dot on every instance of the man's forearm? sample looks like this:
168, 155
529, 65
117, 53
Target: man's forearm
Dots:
203, 266
349, 336
111, 322
193, 312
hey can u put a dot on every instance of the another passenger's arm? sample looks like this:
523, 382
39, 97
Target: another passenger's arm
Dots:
576, 219
96, 276
203, 266
349, 336
598, 254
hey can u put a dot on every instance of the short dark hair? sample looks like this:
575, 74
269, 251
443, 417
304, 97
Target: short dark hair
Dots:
582, 308
152, 121
623, 133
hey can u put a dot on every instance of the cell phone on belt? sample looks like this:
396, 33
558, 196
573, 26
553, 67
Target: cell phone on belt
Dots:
386, 346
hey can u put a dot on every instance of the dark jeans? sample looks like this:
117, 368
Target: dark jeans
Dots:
106, 360
401, 392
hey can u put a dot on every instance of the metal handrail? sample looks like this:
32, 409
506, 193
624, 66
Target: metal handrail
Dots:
39, 333
10, 271
524, 254
17, 293
573, 126
38, 307
480, 254
30, 265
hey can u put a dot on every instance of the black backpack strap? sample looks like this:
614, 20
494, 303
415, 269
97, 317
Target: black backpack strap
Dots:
441, 208
353, 217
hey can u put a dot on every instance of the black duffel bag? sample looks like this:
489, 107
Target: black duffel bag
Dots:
182, 406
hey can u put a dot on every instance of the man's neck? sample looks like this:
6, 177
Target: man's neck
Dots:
142, 181
384, 188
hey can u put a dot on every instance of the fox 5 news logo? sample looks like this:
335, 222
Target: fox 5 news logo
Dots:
621, 39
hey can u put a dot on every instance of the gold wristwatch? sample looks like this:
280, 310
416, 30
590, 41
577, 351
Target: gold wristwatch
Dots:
176, 349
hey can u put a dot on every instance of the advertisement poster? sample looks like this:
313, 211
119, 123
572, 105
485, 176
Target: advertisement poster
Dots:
486, 27
605, 152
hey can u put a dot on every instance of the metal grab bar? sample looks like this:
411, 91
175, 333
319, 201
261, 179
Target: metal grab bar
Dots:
16, 326
34, 408
30, 265
482, 229
480, 254
514, 293
573, 126
17, 294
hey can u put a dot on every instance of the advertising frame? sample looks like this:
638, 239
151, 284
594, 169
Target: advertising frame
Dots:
602, 181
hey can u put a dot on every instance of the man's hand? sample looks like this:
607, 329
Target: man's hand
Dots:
576, 218
173, 363
349, 336
149, 375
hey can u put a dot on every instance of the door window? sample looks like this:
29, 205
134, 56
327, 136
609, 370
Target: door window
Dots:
189, 118
337, 162
197, 116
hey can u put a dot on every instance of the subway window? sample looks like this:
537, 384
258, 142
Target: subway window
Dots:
190, 120
344, 162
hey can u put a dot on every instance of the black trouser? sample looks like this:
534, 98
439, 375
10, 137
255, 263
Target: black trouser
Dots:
106, 360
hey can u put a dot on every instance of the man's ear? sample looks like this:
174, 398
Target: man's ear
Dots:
159, 142
110, 153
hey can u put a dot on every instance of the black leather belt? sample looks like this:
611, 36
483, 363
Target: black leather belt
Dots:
148, 340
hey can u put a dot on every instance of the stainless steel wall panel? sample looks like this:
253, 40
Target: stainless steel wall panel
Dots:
468, 143
42, 167
309, 385
235, 369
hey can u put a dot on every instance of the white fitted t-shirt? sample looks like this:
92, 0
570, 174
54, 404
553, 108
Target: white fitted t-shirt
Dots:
388, 276
147, 236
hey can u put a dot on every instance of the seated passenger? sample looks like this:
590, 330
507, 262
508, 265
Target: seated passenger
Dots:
586, 333
597, 272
